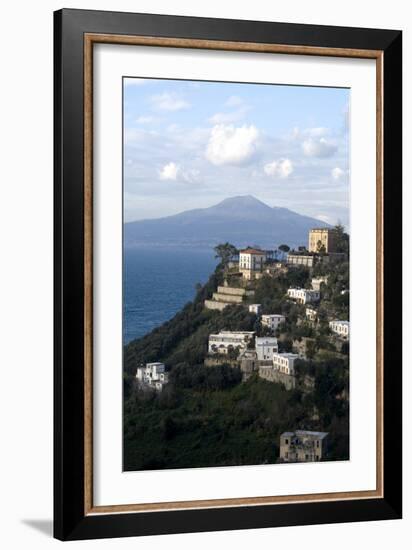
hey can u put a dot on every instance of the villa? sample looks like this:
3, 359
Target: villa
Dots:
304, 295
341, 328
227, 340
311, 314
303, 446
272, 321
285, 362
322, 238
317, 282
266, 347
251, 262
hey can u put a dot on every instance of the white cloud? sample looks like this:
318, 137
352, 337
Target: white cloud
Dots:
281, 168
169, 171
174, 172
318, 147
337, 173
144, 119
231, 145
169, 102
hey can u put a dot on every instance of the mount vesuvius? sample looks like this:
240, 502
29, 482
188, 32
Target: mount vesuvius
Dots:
242, 221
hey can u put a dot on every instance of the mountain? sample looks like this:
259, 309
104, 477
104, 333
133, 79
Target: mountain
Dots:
242, 221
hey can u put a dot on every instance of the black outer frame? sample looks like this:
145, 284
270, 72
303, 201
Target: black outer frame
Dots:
70, 522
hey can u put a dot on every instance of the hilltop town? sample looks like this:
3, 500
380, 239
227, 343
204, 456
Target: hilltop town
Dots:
269, 321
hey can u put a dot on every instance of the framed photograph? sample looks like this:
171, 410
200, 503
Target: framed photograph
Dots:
227, 274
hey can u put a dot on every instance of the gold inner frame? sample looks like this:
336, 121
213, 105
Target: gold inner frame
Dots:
89, 40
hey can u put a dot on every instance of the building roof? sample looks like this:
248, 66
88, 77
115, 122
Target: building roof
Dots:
304, 433
255, 251
272, 315
321, 435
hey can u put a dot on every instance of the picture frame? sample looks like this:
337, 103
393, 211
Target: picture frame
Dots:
76, 32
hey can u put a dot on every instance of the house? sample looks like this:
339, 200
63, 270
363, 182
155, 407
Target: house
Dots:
303, 446
255, 308
295, 259
265, 347
226, 341
304, 295
311, 314
152, 375
285, 362
272, 320
341, 328
251, 262
322, 239
317, 281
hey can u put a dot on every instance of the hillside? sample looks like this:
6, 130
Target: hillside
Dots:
205, 416
242, 220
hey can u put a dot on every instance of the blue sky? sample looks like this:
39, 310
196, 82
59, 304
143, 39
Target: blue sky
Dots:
192, 144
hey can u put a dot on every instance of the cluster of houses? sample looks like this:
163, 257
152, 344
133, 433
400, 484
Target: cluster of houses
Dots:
255, 354
152, 376
253, 263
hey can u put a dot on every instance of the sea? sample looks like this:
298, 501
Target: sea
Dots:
158, 283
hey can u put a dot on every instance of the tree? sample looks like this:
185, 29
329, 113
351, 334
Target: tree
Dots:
320, 248
284, 248
310, 349
225, 252
341, 239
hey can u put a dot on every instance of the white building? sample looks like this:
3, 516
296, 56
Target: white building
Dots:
341, 328
251, 261
285, 362
304, 295
272, 321
153, 375
255, 308
317, 281
265, 347
227, 340
311, 314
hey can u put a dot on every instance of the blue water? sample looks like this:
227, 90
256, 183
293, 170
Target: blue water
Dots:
158, 283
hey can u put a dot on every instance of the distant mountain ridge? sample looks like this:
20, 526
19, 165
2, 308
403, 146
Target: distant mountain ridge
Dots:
242, 221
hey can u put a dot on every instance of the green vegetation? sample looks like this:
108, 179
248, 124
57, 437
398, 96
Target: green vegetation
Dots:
225, 252
205, 416
189, 426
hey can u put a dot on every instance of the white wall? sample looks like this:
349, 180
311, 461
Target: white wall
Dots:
26, 274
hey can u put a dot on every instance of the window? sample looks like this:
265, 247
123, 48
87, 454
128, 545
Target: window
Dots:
286, 442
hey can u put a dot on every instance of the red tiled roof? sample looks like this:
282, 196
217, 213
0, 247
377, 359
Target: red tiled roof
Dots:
252, 251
